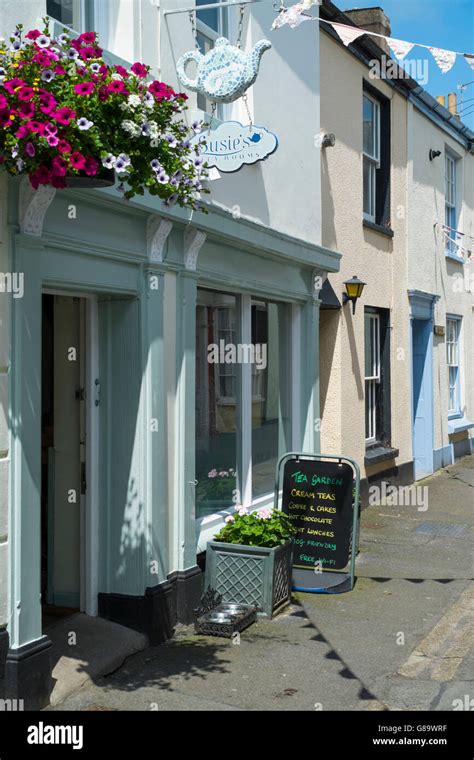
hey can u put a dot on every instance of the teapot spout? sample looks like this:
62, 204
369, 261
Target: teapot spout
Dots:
255, 58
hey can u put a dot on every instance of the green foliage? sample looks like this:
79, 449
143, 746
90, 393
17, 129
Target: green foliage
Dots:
267, 527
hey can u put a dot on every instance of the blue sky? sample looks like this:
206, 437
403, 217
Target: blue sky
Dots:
447, 24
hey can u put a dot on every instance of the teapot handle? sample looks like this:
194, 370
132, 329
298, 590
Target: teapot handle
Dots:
191, 55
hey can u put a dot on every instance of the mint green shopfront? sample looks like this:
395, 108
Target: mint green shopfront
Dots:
128, 446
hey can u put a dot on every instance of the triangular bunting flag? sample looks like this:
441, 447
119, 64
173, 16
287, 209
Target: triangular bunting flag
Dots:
470, 59
444, 58
293, 16
347, 33
399, 47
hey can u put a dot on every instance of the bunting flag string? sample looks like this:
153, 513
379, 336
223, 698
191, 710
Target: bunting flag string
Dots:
298, 13
454, 242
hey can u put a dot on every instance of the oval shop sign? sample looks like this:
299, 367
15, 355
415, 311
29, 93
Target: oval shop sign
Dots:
232, 145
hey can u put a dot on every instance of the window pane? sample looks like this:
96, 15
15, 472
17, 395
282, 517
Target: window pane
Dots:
216, 412
62, 10
368, 127
369, 187
368, 346
270, 404
209, 17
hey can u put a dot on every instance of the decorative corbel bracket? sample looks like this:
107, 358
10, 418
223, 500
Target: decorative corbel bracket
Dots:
157, 231
33, 205
193, 241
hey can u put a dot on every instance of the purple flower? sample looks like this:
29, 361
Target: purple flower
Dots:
63, 38
95, 68
43, 41
172, 200
109, 161
171, 139
162, 177
72, 54
84, 124
48, 75
155, 165
30, 149
123, 162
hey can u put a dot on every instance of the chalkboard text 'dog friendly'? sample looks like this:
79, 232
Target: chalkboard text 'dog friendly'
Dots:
317, 496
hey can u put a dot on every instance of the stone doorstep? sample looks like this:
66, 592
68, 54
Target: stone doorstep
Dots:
100, 647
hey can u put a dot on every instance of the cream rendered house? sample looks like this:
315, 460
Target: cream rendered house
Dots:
386, 395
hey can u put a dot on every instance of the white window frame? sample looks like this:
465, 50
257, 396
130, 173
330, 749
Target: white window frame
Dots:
451, 200
79, 15
453, 361
207, 524
374, 379
211, 36
373, 159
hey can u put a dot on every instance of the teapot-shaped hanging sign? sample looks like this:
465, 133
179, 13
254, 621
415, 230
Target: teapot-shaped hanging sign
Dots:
225, 72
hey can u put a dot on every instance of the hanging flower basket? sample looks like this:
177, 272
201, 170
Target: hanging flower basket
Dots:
68, 119
105, 178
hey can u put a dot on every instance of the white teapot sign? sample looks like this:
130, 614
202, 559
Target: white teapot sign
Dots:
231, 145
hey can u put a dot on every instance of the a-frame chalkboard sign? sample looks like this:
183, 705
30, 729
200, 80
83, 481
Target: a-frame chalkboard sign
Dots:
320, 494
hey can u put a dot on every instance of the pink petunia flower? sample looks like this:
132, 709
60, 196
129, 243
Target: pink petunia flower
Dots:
87, 38
25, 93
64, 115
122, 71
33, 34
3, 102
161, 91
84, 88
77, 160
139, 70
12, 84
42, 176
59, 70
88, 53
22, 132
59, 166
117, 86
5, 120
91, 166
30, 149
64, 147
53, 140
36, 126
26, 110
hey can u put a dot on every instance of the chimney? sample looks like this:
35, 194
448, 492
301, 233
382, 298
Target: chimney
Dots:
374, 20
453, 104
441, 100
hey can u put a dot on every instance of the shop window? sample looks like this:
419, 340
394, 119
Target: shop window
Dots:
377, 377
453, 331
242, 399
270, 395
376, 158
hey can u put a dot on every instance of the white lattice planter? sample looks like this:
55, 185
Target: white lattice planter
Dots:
251, 574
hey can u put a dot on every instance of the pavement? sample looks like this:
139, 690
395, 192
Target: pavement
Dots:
402, 639
85, 648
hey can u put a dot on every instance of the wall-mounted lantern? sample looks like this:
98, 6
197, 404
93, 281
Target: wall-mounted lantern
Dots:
354, 288
434, 154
